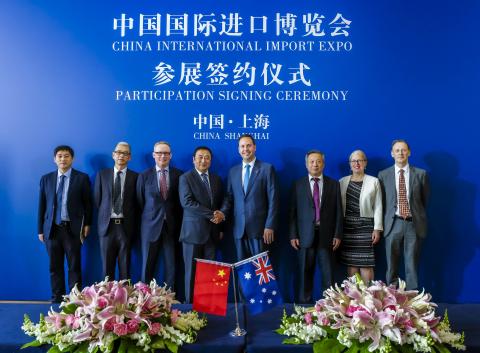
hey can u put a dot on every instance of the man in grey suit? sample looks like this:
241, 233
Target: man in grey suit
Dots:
405, 193
316, 224
157, 195
252, 192
200, 195
115, 198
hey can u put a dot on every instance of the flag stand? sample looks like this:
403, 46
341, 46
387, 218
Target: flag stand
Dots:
237, 332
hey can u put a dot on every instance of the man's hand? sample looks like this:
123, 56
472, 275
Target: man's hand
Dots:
41, 238
218, 217
268, 236
295, 243
85, 231
336, 243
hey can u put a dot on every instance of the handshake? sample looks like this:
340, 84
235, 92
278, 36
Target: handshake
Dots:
218, 217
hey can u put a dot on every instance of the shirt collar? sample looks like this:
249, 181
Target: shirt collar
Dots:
200, 173
310, 177
252, 163
67, 173
405, 169
157, 168
115, 170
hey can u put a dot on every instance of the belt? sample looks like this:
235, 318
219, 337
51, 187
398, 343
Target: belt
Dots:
63, 224
408, 219
116, 220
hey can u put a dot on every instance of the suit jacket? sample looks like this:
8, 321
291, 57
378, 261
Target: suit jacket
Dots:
302, 213
419, 190
155, 210
79, 202
103, 198
197, 207
258, 208
370, 199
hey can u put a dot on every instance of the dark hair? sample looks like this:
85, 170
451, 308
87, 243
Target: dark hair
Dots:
314, 152
202, 148
400, 140
246, 135
63, 148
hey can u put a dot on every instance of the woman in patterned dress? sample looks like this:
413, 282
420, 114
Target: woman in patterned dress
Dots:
362, 210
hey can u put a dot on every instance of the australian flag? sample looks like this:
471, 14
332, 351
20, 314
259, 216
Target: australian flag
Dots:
258, 283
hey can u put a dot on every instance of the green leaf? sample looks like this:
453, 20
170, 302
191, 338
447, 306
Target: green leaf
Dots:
34, 343
441, 348
280, 331
69, 309
132, 348
291, 340
158, 343
123, 347
328, 345
354, 348
172, 347
406, 348
54, 349
83, 348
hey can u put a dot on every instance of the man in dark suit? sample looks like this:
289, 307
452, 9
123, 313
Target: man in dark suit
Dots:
64, 218
115, 198
200, 195
316, 224
405, 193
157, 194
252, 192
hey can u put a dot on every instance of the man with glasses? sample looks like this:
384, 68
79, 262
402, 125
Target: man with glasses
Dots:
200, 195
405, 193
157, 194
115, 198
64, 218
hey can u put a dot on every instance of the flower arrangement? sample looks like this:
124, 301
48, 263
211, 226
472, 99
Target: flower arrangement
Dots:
115, 315
375, 318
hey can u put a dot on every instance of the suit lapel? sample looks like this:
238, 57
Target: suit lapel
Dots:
198, 179
253, 175
110, 177
411, 179
393, 182
71, 182
53, 184
325, 189
307, 189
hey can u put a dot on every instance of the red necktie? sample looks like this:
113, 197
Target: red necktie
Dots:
163, 183
316, 199
402, 196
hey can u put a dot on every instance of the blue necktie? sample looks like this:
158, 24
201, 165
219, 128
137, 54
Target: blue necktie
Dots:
207, 184
58, 208
246, 178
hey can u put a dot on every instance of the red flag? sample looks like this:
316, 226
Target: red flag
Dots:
211, 287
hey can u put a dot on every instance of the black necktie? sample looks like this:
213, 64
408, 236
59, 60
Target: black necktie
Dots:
117, 194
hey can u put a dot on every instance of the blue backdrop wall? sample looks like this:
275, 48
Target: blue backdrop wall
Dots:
363, 74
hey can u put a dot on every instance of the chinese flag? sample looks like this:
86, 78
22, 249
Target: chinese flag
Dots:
211, 287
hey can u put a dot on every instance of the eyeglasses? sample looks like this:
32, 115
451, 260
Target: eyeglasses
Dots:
355, 161
162, 153
121, 153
